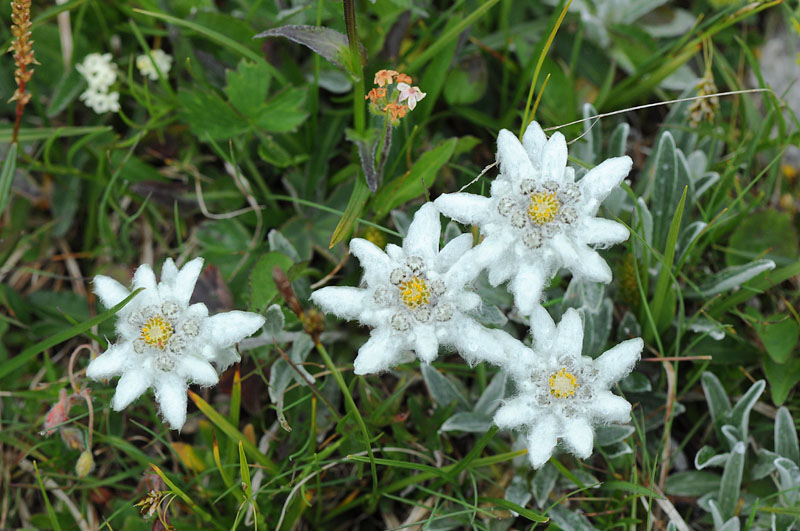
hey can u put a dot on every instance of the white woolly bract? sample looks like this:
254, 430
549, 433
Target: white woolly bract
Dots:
164, 343
537, 218
562, 394
416, 298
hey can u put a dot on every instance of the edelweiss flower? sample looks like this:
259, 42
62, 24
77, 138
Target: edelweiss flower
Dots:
412, 94
537, 218
561, 393
164, 342
414, 297
162, 59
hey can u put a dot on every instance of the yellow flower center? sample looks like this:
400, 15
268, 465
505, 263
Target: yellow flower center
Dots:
415, 292
543, 207
563, 384
156, 332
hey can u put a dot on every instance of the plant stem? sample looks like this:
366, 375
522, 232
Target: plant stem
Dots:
355, 64
352, 406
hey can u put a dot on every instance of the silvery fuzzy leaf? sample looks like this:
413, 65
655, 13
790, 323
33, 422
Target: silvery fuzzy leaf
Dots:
491, 396
731, 278
279, 243
608, 435
467, 421
543, 483
442, 389
518, 492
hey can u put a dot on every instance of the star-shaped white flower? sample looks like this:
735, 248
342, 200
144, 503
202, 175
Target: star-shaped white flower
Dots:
164, 342
537, 218
415, 298
412, 94
562, 394
98, 70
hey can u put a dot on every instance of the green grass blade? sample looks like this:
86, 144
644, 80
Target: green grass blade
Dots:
448, 36
665, 275
29, 353
50, 512
186, 498
7, 176
234, 434
511, 506
354, 207
30, 135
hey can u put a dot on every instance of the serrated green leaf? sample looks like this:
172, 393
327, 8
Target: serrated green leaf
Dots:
206, 113
248, 86
285, 112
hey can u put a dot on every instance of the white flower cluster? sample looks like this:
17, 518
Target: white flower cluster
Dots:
536, 220
165, 342
100, 73
147, 67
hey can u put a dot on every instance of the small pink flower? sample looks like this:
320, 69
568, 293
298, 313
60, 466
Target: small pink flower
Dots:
412, 94
384, 77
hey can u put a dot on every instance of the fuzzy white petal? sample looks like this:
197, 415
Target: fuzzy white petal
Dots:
342, 301
144, 277
606, 176
196, 370
514, 162
542, 440
454, 250
515, 412
534, 141
110, 363
579, 437
543, 328
166, 285
376, 263
109, 291
569, 335
603, 231
171, 398
227, 328
476, 343
527, 286
499, 270
197, 310
554, 158
423, 234
426, 345
378, 354
130, 387
615, 363
582, 260
469, 209
607, 407
186, 279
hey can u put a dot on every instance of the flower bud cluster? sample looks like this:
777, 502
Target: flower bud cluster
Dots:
100, 73
399, 101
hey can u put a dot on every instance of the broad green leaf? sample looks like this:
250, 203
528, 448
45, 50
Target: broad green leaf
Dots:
467, 81
248, 86
414, 183
442, 389
781, 377
731, 483
786, 436
733, 277
262, 286
769, 234
779, 335
7, 176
